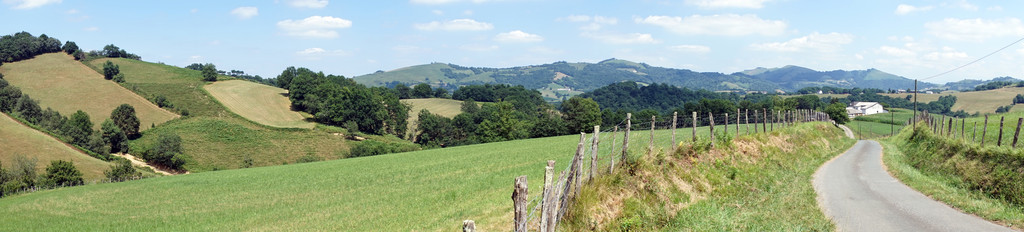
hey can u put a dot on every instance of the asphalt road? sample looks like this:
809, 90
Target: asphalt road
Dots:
858, 194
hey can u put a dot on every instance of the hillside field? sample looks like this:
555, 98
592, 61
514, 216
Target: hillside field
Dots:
57, 81
975, 101
212, 136
445, 107
426, 190
260, 103
17, 139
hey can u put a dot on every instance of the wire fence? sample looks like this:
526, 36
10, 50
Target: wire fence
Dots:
1001, 131
603, 150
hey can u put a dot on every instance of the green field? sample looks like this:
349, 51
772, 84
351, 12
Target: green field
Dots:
263, 104
17, 139
61, 83
974, 101
424, 190
445, 107
214, 137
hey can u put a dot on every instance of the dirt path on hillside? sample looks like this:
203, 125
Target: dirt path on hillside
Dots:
138, 162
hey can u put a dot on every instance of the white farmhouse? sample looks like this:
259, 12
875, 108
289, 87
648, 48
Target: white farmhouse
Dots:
864, 108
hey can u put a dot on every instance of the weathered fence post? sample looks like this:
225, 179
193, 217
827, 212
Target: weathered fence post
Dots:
746, 119
963, 127
999, 142
577, 164
1017, 132
519, 199
942, 124
949, 126
772, 122
694, 126
611, 155
625, 139
974, 133
984, 130
468, 226
546, 206
674, 115
711, 118
892, 125
737, 122
764, 122
650, 147
755, 121
726, 124
593, 151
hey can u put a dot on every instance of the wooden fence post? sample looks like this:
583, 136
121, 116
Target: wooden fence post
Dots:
674, 116
577, 164
726, 124
737, 122
546, 206
468, 226
694, 126
984, 130
746, 119
593, 151
519, 199
611, 155
711, 118
963, 127
650, 148
949, 127
974, 134
755, 121
999, 142
892, 123
942, 124
772, 122
625, 139
764, 122
1017, 132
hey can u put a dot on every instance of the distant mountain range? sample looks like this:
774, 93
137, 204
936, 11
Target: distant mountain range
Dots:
561, 79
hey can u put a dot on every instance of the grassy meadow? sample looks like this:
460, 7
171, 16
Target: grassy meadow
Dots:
57, 81
260, 103
423, 190
445, 107
17, 139
213, 137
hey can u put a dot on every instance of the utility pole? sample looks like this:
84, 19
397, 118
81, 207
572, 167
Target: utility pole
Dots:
915, 102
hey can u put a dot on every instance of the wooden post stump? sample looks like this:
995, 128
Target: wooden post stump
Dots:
674, 116
611, 155
1017, 132
764, 121
711, 118
694, 135
519, 199
593, 151
746, 119
625, 139
984, 130
547, 207
468, 226
999, 142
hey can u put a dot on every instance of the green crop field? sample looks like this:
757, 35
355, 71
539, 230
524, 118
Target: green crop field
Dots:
17, 139
974, 101
263, 104
212, 136
61, 83
426, 190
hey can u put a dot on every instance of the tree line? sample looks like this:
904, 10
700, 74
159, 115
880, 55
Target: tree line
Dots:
339, 101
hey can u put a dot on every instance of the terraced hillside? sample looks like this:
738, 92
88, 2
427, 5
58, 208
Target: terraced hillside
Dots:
17, 139
61, 83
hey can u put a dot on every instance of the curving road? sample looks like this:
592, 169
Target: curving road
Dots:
858, 194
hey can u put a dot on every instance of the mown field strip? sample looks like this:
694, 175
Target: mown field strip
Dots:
263, 104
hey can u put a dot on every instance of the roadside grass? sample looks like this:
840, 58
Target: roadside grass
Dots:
260, 103
974, 134
17, 139
946, 186
895, 116
872, 130
974, 101
425, 190
57, 81
756, 182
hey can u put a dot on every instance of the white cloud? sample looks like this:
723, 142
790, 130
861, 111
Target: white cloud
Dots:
947, 53
245, 12
894, 51
454, 25
91, 29
963, 4
311, 51
631, 38
479, 47
577, 18
594, 23
904, 9
29, 4
308, 3
518, 37
439, 2
975, 29
727, 25
830, 42
754, 4
690, 48
320, 52
314, 26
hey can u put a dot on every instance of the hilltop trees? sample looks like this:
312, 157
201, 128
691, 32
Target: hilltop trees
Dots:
209, 72
124, 117
23, 45
110, 70
113, 51
581, 114
336, 100
113, 136
422, 91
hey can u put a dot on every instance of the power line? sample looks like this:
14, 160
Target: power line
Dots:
975, 61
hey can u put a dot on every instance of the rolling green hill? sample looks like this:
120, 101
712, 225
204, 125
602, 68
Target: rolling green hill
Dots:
975, 101
796, 77
17, 139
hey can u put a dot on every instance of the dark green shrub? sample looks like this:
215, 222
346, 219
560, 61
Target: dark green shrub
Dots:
122, 171
62, 174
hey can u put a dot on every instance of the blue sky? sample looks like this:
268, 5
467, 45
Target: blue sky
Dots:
913, 38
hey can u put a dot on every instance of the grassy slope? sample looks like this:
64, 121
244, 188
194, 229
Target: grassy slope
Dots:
758, 183
213, 137
61, 83
974, 101
444, 107
263, 104
423, 190
17, 139
946, 187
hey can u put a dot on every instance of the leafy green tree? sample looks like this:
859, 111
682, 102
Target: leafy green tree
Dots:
119, 78
110, 70
1018, 99
422, 91
469, 106
837, 112
114, 136
122, 171
581, 114
62, 174
209, 72
404, 92
22, 174
285, 79
69, 47
434, 130
167, 152
548, 125
81, 128
441, 93
29, 109
124, 117
503, 125
9, 96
